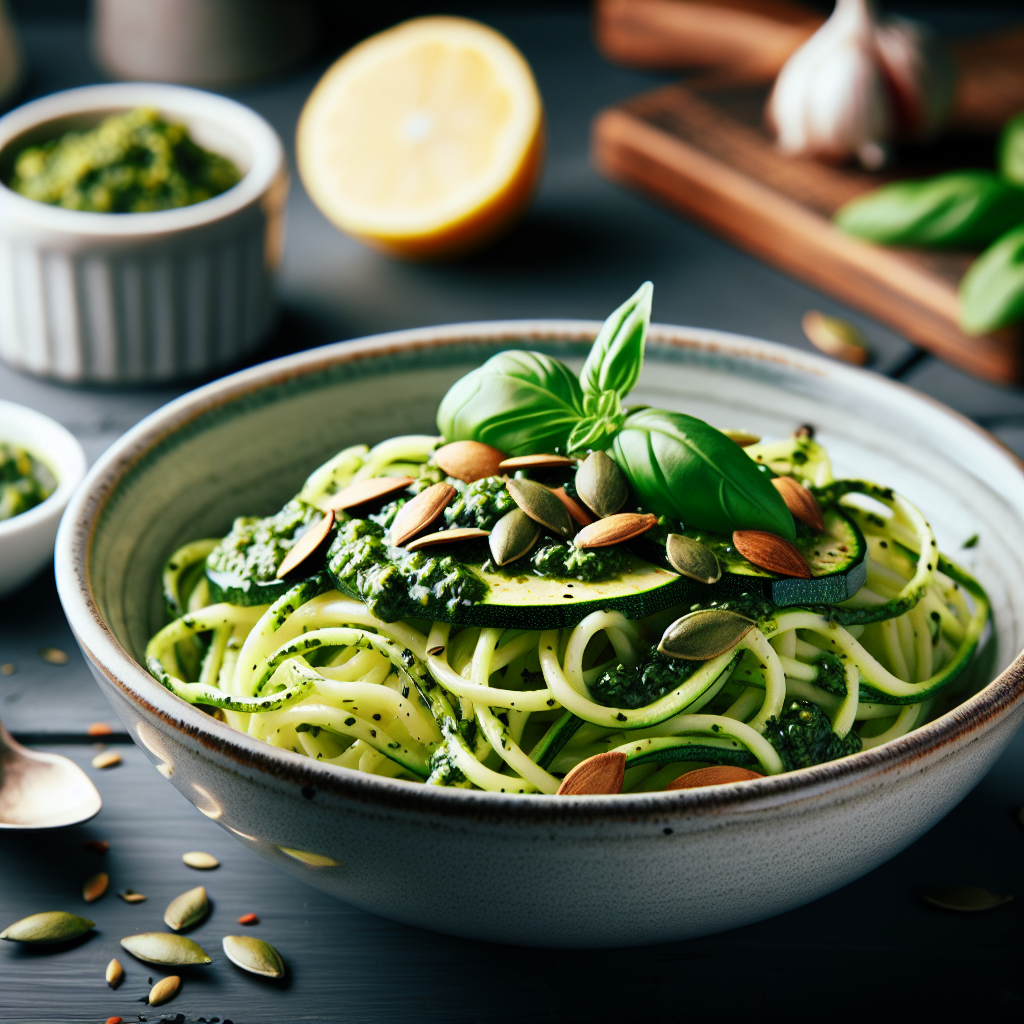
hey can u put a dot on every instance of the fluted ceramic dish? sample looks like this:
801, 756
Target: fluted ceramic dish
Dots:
538, 870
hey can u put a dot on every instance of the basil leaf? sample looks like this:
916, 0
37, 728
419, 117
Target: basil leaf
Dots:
617, 354
682, 467
518, 402
992, 290
602, 417
966, 208
1011, 151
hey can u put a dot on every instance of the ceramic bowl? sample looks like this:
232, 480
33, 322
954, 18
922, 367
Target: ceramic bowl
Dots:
26, 540
141, 297
538, 870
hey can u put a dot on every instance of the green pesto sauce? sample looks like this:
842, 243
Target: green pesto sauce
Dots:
131, 163
24, 481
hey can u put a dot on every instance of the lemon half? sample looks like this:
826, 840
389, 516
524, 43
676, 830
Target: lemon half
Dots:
426, 140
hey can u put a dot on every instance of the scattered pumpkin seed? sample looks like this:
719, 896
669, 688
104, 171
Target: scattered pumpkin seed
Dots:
54, 655
514, 534
614, 529
187, 909
51, 926
538, 502
99, 729
601, 484
107, 759
253, 955
165, 948
744, 438
433, 540
371, 489
95, 886
417, 514
164, 990
97, 845
115, 973
314, 536
704, 634
967, 899
693, 559
535, 462
8, 668
469, 461
249, 918
201, 861
131, 896
837, 338
600, 774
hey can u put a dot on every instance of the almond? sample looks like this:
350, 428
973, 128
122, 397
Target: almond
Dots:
469, 460
371, 489
579, 514
306, 544
415, 516
535, 462
716, 775
599, 774
614, 529
800, 502
432, 540
771, 552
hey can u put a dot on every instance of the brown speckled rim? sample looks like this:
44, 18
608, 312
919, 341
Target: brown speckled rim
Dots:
915, 751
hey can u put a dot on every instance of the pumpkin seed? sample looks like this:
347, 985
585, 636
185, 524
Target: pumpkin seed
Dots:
715, 775
514, 534
433, 540
114, 973
164, 989
469, 460
614, 529
535, 462
314, 536
95, 886
131, 896
253, 955
416, 515
601, 484
704, 634
837, 338
371, 489
107, 759
599, 774
51, 926
541, 505
744, 438
54, 655
187, 909
967, 899
693, 559
165, 948
201, 861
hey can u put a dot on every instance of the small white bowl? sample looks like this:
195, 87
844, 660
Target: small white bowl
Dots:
141, 297
26, 540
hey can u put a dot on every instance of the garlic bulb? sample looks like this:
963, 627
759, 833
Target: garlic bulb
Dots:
858, 84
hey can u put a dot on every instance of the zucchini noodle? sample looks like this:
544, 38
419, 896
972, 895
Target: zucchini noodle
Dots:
513, 710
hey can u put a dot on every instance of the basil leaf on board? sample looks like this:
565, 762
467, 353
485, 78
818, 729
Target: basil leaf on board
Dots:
965, 208
682, 467
1011, 151
518, 402
992, 290
617, 354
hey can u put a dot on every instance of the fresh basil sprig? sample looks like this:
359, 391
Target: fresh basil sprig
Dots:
682, 467
992, 290
964, 208
617, 354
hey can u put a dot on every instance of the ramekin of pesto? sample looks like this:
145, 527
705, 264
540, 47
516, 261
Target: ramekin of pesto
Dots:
135, 162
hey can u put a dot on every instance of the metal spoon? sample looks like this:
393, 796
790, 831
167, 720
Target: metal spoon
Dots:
42, 790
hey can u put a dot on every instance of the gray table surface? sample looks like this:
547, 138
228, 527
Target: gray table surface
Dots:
873, 948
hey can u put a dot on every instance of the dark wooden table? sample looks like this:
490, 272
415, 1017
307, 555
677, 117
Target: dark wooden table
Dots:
873, 950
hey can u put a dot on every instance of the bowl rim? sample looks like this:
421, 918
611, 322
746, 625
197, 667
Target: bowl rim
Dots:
932, 741
65, 460
265, 145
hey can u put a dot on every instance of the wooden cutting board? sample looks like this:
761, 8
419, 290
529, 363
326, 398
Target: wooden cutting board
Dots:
705, 153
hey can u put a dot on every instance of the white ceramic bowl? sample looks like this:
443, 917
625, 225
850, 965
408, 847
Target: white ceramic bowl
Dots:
538, 870
26, 540
141, 297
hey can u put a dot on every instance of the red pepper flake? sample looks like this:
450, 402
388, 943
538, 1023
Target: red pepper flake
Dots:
99, 729
97, 845
115, 1020
249, 918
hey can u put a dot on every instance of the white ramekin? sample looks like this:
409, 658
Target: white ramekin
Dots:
26, 540
141, 297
